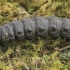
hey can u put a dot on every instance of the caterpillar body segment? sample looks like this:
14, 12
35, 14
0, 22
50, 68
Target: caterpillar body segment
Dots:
29, 27
42, 26
10, 30
54, 26
18, 29
4, 35
65, 28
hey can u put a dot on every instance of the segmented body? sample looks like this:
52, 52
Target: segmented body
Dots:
35, 27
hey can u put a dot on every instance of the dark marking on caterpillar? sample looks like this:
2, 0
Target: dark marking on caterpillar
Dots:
30, 28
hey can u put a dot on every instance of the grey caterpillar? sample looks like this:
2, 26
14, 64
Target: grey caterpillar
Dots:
40, 26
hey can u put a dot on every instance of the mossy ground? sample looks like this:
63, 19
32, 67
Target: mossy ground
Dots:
38, 54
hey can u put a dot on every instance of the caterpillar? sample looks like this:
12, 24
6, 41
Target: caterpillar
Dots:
39, 26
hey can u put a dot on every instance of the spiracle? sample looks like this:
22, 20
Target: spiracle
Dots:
39, 26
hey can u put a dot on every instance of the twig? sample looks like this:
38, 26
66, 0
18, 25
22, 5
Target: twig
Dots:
10, 63
67, 47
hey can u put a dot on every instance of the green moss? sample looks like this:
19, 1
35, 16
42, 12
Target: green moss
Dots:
41, 54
